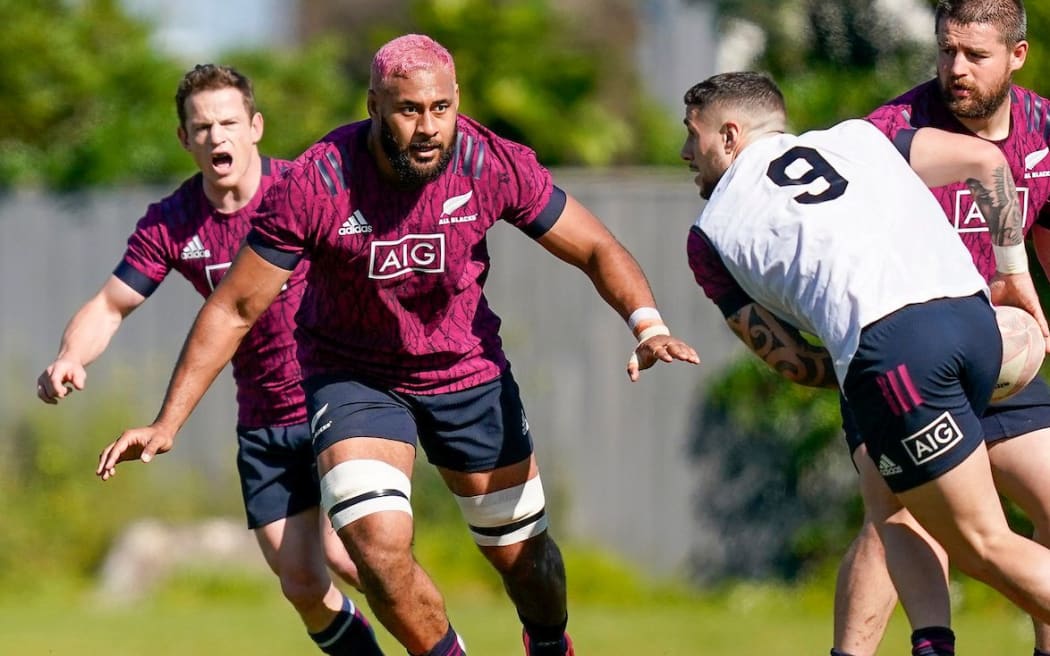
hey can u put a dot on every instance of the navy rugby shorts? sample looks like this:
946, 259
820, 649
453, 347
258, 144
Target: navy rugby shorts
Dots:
278, 472
477, 429
920, 382
1023, 413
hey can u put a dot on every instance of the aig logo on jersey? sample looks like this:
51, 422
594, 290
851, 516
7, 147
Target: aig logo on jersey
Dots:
968, 216
422, 253
934, 440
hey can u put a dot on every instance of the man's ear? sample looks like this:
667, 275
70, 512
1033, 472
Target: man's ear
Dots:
1018, 56
372, 105
730, 132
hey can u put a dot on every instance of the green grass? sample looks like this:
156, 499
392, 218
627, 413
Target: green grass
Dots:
204, 615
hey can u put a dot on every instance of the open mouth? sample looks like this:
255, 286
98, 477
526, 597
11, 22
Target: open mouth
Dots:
222, 162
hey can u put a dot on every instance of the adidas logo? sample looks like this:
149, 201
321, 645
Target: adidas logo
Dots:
887, 467
195, 250
355, 225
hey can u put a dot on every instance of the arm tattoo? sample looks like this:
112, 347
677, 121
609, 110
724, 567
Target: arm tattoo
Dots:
782, 347
1000, 207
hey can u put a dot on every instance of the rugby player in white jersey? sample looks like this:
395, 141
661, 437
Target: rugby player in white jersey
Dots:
833, 234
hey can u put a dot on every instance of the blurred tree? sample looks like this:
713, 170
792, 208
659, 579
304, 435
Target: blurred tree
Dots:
776, 492
87, 101
833, 60
542, 79
560, 81
836, 60
302, 94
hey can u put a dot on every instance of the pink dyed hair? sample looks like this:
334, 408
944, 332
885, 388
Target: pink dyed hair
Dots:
406, 54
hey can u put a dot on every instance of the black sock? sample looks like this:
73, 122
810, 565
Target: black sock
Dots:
349, 634
836, 652
1040, 652
933, 641
545, 640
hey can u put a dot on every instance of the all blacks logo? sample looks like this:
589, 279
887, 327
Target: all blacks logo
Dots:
934, 440
421, 253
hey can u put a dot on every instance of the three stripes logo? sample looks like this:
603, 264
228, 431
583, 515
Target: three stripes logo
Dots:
195, 249
898, 390
355, 224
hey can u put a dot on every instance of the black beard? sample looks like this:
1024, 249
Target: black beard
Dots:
978, 105
408, 173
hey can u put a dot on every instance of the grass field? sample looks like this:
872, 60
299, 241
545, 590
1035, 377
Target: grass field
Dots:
215, 616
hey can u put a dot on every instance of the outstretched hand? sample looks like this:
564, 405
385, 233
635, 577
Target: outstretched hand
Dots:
133, 444
1018, 290
659, 348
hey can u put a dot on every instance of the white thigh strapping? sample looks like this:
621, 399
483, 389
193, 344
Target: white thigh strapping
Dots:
506, 516
356, 488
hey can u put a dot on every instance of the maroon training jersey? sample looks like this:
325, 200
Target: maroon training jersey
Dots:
394, 291
185, 233
1026, 150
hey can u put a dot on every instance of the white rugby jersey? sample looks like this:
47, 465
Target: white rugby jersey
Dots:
831, 230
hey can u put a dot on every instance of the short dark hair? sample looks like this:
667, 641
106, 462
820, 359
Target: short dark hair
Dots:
205, 77
746, 89
1007, 16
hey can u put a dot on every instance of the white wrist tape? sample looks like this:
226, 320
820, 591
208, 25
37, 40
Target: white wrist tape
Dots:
1010, 259
652, 331
642, 314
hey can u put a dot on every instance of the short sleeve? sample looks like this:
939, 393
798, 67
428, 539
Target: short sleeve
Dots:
713, 276
529, 199
282, 226
891, 119
146, 260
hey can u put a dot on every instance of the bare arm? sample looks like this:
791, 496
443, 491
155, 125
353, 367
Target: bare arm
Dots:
86, 337
941, 158
580, 239
782, 347
245, 292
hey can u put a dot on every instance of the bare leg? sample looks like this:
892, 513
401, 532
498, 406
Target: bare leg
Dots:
961, 510
335, 554
864, 595
917, 565
401, 595
1019, 467
292, 549
532, 571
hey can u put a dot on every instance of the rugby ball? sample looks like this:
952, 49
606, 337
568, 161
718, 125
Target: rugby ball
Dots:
1023, 351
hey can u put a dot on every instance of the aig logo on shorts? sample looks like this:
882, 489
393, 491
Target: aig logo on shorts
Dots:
934, 440
423, 253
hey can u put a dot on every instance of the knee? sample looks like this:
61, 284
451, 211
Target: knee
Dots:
982, 556
382, 554
537, 555
367, 502
344, 568
303, 586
